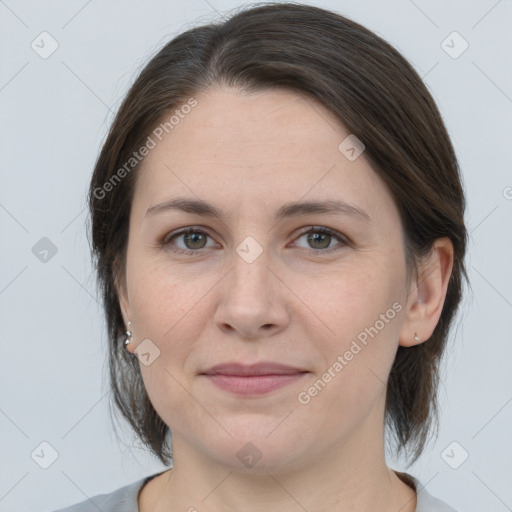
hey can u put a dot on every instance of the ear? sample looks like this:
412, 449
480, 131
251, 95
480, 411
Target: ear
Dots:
427, 294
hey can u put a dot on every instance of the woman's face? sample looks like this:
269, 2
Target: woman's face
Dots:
260, 284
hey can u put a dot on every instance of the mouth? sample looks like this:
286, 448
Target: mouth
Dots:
253, 379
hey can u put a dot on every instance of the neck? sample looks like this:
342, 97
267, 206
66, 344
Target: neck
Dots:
349, 476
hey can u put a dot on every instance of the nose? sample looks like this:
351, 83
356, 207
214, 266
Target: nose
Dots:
253, 299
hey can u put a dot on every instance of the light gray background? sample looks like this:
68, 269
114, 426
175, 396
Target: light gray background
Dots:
55, 113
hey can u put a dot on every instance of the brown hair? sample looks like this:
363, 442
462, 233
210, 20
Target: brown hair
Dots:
375, 93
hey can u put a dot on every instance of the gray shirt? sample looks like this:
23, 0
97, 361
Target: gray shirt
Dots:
124, 499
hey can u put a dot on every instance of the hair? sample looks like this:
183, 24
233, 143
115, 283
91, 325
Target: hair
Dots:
374, 92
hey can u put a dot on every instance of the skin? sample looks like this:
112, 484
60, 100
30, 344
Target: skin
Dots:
248, 154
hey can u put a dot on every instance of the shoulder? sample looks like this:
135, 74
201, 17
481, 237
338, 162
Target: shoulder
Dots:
425, 501
123, 499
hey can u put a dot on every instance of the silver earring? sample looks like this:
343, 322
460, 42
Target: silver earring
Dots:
129, 336
416, 337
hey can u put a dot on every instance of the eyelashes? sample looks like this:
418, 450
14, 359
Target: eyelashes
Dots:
195, 235
188, 233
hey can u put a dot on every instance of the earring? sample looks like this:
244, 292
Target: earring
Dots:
416, 337
129, 336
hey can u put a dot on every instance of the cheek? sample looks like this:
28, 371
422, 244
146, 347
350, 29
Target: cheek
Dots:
362, 315
354, 363
163, 295
355, 298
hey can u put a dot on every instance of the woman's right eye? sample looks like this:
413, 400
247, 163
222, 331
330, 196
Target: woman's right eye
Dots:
193, 240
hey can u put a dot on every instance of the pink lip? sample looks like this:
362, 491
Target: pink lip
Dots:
252, 379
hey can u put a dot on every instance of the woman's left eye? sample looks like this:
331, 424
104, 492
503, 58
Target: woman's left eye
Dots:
193, 240
321, 239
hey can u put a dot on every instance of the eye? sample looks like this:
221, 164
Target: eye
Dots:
320, 239
193, 241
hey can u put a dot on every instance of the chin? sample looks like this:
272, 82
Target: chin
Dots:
258, 448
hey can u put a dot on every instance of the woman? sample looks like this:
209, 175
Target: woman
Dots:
278, 223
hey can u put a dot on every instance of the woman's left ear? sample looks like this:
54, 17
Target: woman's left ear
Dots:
427, 294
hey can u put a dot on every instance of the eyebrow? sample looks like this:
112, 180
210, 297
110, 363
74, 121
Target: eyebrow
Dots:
205, 209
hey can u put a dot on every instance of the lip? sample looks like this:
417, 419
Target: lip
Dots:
253, 379
263, 368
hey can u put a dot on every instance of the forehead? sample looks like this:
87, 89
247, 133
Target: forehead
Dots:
254, 129
238, 148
